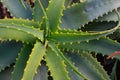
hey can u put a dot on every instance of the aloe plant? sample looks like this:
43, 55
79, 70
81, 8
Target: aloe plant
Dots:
55, 39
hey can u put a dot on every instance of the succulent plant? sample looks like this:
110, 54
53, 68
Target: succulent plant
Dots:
56, 39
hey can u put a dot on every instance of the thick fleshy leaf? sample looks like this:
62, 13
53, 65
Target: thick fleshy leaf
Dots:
17, 9
73, 75
56, 66
111, 16
8, 53
88, 66
60, 54
99, 26
12, 34
78, 36
38, 10
54, 13
82, 13
36, 56
103, 45
21, 62
28, 30
20, 21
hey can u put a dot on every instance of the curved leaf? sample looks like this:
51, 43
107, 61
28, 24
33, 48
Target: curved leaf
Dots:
36, 56
99, 26
73, 75
88, 66
54, 13
82, 13
21, 62
78, 36
17, 9
28, 30
111, 16
103, 45
21, 21
8, 53
60, 54
56, 66
12, 34
37, 10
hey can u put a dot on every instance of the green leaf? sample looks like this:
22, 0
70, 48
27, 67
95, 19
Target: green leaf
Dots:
21, 21
8, 53
56, 66
12, 34
17, 9
99, 26
103, 45
66, 60
21, 62
78, 36
45, 23
111, 16
54, 13
73, 75
28, 30
36, 56
88, 66
38, 10
84, 12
